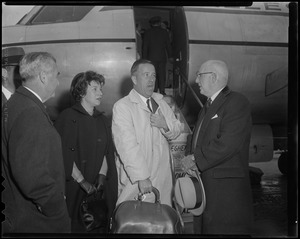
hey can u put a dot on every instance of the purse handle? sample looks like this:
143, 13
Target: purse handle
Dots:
156, 193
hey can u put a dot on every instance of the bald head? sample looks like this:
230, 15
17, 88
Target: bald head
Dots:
219, 68
212, 76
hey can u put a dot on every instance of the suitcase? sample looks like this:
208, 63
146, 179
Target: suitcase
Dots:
136, 216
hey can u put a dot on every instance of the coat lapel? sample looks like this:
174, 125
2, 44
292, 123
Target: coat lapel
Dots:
22, 90
135, 98
213, 109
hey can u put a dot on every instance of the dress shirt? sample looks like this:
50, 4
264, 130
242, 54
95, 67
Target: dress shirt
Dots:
214, 96
144, 99
6, 92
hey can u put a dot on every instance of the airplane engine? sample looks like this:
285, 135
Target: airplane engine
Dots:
261, 144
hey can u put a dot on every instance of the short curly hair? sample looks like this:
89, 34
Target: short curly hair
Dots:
80, 83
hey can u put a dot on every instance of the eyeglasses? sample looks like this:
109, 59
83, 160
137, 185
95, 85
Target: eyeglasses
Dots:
199, 74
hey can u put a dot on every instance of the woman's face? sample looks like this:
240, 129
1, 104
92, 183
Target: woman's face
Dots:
93, 94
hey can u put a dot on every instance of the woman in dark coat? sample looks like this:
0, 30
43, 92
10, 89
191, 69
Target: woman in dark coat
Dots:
87, 147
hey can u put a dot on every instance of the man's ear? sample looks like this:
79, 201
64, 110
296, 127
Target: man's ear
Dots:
214, 77
133, 78
43, 77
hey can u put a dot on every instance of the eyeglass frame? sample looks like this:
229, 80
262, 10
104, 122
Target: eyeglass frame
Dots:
199, 74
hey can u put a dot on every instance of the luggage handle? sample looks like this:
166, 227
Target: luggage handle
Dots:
156, 193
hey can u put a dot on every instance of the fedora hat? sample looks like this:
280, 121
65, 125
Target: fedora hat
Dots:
11, 56
190, 194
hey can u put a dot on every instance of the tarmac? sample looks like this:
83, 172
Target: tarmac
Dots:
270, 202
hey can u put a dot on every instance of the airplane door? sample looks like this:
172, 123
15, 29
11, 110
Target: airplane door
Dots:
180, 54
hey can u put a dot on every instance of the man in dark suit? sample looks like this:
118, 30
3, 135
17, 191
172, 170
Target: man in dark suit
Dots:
32, 162
156, 48
219, 149
10, 61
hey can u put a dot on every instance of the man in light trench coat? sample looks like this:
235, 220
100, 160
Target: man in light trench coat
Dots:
141, 135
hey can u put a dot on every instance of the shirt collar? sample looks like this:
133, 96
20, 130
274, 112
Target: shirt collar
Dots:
6, 92
214, 96
144, 99
34, 94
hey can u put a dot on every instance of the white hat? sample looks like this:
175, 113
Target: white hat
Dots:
190, 194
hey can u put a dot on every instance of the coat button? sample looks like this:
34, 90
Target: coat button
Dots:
99, 140
74, 121
72, 149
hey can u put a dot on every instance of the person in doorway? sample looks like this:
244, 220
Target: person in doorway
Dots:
87, 147
219, 149
142, 125
157, 49
10, 64
165, 25
139, 40
32, 158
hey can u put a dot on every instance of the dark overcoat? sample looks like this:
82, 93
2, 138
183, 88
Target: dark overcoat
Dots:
156, 45
33, 169
86, 140
222, 156
156, 48
4, 100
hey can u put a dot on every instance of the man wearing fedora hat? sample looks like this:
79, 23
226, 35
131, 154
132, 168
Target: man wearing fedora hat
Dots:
10, 61
219, 149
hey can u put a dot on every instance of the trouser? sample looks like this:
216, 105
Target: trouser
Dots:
197, 221
160, 68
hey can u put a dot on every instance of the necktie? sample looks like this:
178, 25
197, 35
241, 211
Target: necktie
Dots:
148, 104
197, 129
207, 105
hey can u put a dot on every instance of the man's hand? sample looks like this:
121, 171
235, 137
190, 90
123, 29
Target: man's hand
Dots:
145, 186
100, 180
87, 187
159, 121
188, 163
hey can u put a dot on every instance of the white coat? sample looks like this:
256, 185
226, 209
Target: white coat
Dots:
143, 150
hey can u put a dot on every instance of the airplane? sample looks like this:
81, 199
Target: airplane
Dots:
252, 40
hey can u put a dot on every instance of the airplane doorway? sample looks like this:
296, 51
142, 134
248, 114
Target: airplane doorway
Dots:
173, 20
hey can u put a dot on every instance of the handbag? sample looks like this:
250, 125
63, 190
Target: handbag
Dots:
136, 216
93, 211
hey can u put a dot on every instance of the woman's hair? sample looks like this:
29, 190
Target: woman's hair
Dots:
81, 81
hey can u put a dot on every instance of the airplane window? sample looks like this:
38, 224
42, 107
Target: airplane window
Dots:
59, 14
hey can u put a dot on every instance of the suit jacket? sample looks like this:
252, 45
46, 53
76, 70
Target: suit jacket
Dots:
156, 45
222, 155
32, 167
4, 100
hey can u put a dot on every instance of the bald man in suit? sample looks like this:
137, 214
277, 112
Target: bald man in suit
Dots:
219, 149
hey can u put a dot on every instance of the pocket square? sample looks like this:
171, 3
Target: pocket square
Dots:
215, 116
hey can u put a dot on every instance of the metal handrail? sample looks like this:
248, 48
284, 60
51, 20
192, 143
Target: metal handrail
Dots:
177, 71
